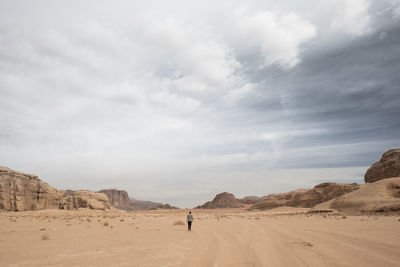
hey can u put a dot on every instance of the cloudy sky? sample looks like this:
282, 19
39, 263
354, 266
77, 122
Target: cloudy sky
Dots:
175, 101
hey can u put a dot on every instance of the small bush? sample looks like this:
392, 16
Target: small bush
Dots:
45, 237
105, 224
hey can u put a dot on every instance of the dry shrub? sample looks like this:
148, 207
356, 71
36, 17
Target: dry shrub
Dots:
179, 223
45, 237
105, 224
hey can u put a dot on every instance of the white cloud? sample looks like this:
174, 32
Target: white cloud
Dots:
351, 16
197, 54
278, 36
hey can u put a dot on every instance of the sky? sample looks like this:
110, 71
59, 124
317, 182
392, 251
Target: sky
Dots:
176, 101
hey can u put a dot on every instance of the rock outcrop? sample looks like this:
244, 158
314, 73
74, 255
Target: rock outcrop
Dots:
380, 196
222, 201
118, 198
22, 192
306, 198
387, 167
84, 199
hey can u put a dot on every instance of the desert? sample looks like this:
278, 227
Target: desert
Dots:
284, 236
329, 225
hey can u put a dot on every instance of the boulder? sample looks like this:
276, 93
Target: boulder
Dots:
380, 196
118, 198
306, 198
387, 167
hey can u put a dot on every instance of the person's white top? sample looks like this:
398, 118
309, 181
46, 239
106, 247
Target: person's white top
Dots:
190, 218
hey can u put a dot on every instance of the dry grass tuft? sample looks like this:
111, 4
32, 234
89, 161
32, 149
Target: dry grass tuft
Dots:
45, 237
179, 223
105, 224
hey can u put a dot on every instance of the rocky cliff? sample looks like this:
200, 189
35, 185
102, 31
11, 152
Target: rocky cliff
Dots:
21, 192
387, 167
306, 198
118, 198
84, 199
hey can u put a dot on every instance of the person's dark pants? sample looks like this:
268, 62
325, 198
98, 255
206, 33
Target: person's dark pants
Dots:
189, 226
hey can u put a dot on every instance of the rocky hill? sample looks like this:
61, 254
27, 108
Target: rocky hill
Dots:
387, 167
118, 198
222, 201
136, 204
306, 198
380, 196
21, 192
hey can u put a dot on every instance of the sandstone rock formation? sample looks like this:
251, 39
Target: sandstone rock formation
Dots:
222, 201
84, 199
21, 192
118, 198
306, 198
387, 167
380, 196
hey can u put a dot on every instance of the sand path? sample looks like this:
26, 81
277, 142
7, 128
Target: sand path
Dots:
220, 238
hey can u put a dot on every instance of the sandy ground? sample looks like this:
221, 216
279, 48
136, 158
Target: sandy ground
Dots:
282, 237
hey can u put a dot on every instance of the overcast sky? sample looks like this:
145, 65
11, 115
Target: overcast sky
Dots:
175, 101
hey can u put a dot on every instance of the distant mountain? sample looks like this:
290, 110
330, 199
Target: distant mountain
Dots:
223, 201
306, 198
136, 204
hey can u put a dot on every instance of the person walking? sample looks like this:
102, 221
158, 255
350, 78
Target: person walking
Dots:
189, 220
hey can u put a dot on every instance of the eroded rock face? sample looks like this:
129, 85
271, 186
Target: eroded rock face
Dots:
118, 198
387, 167
22, 192
84, 199
306, 198
222, 201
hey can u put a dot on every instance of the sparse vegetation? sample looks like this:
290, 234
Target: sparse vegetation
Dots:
45, 237
179, 223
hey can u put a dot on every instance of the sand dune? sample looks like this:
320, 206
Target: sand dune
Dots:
280, 237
